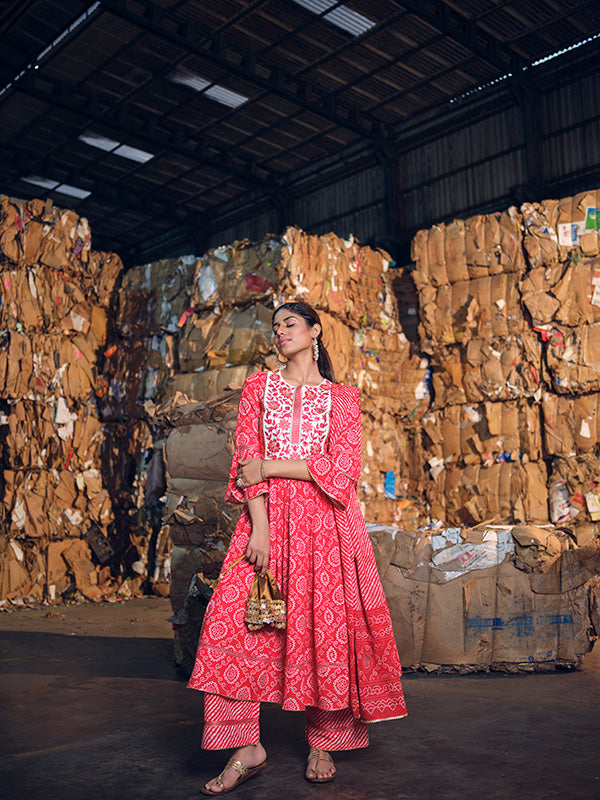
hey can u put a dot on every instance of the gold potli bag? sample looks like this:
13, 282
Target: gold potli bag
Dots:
265, 605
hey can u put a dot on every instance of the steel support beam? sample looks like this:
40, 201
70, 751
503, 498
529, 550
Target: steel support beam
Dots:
92, 107
462, 31
184, 34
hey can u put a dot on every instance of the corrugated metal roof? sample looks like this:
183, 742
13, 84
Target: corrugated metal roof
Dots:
313, 89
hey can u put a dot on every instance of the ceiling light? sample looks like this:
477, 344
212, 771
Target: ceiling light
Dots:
342, 16
219, 93
46, 183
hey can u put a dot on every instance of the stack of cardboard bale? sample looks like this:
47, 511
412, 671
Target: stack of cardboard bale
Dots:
54, 298
483, 432
225, 334
142, 356
197, 524
561, 293
491, 597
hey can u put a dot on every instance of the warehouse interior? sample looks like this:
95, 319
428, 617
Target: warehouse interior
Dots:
427, 176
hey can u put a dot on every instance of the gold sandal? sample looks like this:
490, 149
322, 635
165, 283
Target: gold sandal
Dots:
320, 755
244, 774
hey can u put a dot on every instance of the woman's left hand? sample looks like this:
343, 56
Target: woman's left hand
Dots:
249, 471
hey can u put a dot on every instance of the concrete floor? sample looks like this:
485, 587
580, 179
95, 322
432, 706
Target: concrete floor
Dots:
92, 709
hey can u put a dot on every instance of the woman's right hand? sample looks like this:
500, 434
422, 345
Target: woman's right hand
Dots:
259, 547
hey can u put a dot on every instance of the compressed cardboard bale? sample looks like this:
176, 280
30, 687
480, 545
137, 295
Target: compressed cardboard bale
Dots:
40, 299
478, 247
540, 239
493, 244
193, 500
204, 385
238, 336
240, 273
570, 296
574, 489
555, 230
134, 370
578, 224
499, 617
483, 433
578, 292
480, 308
44, 366
201, 452
573, 358
153, 297
50, 436
393, 476
571, 424
487, 369
505, 492
383, 368
340, 277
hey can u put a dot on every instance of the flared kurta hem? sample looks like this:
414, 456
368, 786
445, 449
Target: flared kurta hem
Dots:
338, 650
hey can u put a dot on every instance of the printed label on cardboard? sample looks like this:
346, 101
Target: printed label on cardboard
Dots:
569, 233
593, 506
594, 294
592, 219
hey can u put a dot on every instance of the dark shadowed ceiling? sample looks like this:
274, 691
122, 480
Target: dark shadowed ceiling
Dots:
148, 115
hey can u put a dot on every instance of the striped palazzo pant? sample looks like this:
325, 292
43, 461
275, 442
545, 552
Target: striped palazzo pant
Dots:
235, 723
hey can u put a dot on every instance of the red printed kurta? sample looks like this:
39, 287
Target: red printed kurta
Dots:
338, 650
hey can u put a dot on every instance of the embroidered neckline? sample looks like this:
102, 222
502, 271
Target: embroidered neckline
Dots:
301, 385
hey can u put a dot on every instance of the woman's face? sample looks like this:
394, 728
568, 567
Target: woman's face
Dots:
292, 333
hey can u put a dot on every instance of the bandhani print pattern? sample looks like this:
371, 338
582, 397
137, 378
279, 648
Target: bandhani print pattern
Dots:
338, 650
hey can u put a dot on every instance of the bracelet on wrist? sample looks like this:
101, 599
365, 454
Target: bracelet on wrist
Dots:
262, 470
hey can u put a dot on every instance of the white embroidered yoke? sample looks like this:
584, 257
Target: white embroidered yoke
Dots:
296, 418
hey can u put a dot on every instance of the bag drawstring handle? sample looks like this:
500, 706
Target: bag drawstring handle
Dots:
222, 575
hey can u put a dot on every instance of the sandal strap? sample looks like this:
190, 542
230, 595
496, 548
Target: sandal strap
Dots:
320, 755
237, 766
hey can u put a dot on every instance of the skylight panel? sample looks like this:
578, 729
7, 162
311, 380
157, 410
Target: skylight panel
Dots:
101, 142
218, 93
342, 16
56, 186
133, 153
225, 96
112, 146
72, 191
45, 183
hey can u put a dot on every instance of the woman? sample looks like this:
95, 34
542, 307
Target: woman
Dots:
296, 467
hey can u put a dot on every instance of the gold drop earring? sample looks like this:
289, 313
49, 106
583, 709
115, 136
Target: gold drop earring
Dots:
315, 350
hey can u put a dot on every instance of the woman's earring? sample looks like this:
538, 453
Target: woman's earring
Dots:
315, 349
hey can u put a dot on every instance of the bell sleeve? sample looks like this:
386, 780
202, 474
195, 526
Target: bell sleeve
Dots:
337, 470
249, 441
